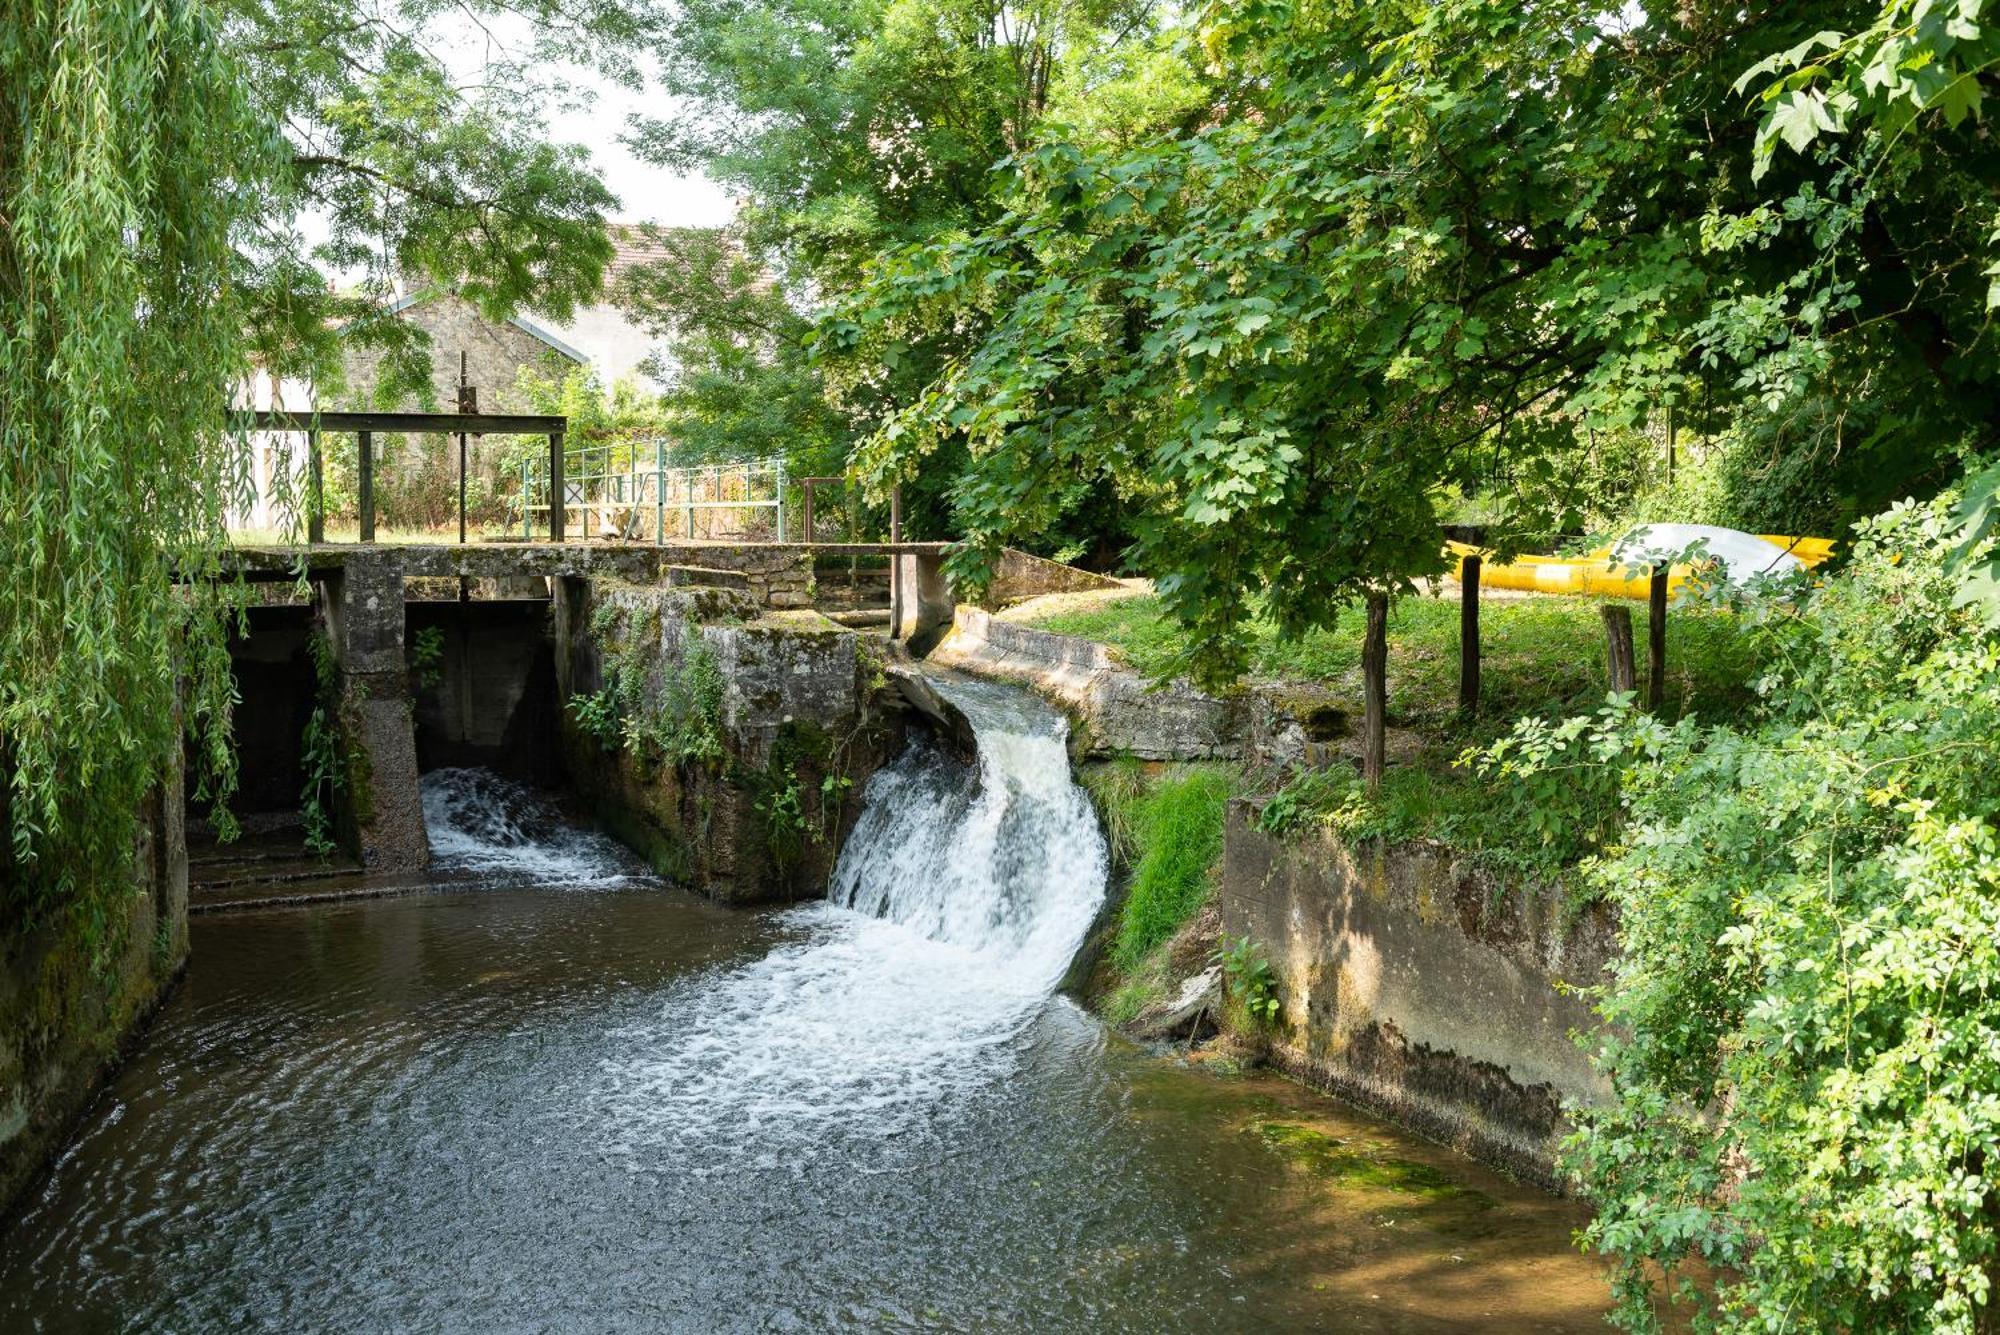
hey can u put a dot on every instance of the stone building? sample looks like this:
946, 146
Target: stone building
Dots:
419, 476
493, 352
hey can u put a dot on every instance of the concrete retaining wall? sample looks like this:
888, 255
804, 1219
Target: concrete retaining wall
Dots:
64, 1019
1414, 987
1115, 710
1018, 575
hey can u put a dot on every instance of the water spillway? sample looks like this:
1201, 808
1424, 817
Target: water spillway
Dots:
566, 1096
958, 902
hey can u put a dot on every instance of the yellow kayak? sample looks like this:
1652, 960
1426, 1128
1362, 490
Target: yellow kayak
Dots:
1596, 575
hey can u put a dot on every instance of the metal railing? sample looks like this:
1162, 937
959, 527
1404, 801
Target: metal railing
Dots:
625, 489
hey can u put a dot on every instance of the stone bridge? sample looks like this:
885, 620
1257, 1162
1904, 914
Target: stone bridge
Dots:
360, 588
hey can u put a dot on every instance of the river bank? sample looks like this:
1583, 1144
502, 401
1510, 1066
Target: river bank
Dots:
1424, 949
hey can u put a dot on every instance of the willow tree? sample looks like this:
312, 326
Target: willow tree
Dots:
125, 142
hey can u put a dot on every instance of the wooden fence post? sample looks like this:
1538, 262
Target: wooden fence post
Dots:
1468, 636
1656, 642
1618, 645
1375, 691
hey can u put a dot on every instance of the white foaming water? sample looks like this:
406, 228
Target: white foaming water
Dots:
958, 902
480, 822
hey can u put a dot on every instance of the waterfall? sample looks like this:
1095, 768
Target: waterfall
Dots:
482, 824
1004, 858
959, 900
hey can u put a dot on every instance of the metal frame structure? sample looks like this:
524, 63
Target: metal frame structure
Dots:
595, 479
365, 425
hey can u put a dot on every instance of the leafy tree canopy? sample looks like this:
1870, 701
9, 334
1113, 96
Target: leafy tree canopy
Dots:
1409, 249
846, 127
121, 126
163, 170
407, 168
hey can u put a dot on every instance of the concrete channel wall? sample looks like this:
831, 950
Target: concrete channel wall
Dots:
1117, 711
806, 714
66, 1016
1414, 986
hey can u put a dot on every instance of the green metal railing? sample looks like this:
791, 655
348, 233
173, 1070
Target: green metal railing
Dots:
626, 489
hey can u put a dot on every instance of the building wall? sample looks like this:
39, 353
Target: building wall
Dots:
495, 352
614, 344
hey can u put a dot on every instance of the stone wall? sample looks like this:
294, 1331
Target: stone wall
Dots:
777, 577
803, 703
1416, 987
495, 352
64, 1020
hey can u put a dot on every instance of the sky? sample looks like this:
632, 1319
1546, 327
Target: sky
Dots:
646, 193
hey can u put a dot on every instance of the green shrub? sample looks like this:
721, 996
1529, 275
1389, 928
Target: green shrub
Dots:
1800, 1051
1248, 979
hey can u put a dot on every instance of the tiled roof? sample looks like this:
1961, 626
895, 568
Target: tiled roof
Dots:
639, 244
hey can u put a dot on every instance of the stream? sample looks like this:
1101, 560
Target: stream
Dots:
559, 1095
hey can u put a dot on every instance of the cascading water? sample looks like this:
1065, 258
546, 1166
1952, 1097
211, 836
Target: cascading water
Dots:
1005, 860
959, 900
482, 824
581, 1104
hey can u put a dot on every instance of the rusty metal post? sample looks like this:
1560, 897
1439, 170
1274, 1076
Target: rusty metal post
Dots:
806, 515
366, 474
556, 496
316, 492
468, 402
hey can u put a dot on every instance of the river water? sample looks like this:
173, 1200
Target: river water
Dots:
558, 1096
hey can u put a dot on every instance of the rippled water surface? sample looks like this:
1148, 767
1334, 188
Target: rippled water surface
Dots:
562, 1097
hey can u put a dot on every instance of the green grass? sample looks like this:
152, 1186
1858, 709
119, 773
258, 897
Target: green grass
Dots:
1538, 656
1167, 827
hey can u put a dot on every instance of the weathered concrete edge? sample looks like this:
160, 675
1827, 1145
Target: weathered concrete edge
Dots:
71, 1068
1116, 710
1412, 990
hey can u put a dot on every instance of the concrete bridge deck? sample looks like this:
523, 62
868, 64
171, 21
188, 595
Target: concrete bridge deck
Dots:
674, 562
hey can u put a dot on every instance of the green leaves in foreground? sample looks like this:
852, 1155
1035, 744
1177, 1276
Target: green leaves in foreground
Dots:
121, 132
1804, 1041
1414, 252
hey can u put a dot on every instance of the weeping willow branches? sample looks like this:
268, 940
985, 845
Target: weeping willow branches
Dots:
127, 155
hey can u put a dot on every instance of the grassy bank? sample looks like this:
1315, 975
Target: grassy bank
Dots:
1164, 823
1541, 657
